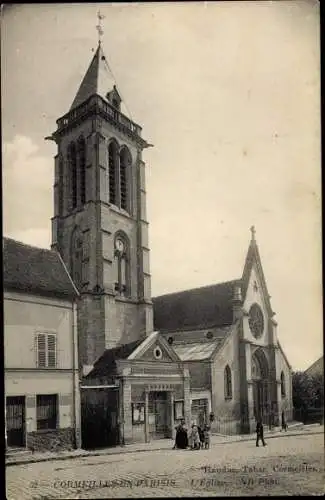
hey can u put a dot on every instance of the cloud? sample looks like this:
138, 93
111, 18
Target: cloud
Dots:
27, 186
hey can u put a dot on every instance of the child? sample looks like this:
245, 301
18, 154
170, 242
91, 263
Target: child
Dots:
195, 438
201, 435
206, 432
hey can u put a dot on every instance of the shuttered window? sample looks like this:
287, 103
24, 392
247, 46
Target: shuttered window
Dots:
46, 350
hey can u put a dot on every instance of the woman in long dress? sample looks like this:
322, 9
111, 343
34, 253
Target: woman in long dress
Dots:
181, 439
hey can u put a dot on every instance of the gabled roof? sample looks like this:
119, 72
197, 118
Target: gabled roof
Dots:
198, 308
153, 339
31, 269
316, 368
98, 80
104, 364
253, 255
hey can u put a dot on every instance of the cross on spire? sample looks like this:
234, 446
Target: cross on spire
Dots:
253, 231
99, 26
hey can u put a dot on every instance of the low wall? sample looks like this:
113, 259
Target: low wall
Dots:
51, 440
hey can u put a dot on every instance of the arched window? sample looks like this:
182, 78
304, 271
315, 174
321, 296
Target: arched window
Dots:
228, 383
113, 171
283, 388
82, 169
121, 265
125, 162
72, 158
76, 257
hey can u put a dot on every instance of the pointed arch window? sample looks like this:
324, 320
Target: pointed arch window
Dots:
125, 162
283, 388
228, 383
76, 257
121, 265
72, 158
119, 164
113, 171
82, 169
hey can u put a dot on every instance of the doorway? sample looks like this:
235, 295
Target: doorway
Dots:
158, 414
15, 421
260, 386
199, 411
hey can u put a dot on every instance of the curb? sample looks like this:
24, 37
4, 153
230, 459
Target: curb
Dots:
84, 455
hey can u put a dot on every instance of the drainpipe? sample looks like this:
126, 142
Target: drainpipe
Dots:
121, 410
6, 444
75, 385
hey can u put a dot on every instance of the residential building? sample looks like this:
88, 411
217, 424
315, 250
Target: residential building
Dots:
42, 399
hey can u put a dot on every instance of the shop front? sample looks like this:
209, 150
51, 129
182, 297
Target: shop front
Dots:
152, 405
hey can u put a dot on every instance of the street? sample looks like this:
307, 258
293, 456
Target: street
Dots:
288, 465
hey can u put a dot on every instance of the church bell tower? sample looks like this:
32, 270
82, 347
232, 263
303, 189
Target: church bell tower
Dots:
100, 226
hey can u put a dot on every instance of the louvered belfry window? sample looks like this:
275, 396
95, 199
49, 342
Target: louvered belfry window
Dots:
112, 171
73, 173
46, 350
119, 175
82, 169
124, 161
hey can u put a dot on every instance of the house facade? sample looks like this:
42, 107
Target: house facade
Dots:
42, 403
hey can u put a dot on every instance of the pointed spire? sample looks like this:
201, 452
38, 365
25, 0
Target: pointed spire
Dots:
99, 78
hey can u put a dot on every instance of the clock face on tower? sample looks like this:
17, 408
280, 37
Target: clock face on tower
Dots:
256, 320
119, 245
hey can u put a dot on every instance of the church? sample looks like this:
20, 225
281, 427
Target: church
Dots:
209, 354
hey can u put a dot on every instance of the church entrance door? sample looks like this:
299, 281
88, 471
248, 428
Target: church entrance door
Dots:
260, 386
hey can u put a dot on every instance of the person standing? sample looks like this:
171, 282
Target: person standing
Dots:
259, 433
181, 439
284, 425
206, 436
195, 438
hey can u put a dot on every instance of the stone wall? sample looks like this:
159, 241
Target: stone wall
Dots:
51, 440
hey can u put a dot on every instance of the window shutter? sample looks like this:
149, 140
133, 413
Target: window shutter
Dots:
51, 350
41, 350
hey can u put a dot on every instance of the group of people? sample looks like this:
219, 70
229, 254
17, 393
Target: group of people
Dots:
197, 438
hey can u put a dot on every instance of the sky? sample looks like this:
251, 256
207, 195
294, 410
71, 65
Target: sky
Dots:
229, 94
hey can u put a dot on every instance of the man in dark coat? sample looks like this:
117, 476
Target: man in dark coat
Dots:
259, 433
284, 425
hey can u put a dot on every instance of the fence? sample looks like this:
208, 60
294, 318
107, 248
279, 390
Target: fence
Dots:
309, 415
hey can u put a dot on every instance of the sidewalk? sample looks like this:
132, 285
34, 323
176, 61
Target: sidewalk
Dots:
156, 445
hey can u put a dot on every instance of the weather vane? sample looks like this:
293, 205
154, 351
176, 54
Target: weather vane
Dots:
253, 231
99, 26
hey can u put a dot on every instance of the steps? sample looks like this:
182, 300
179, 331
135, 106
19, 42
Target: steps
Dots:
17, 452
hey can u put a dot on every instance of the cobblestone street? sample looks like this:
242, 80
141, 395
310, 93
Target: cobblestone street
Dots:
288, 465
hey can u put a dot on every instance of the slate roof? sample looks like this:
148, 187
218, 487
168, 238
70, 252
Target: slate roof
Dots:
196, 351
31, 269
197, 308
104, 365
317, 368
98, 80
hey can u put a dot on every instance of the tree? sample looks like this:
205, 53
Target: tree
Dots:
307, 390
